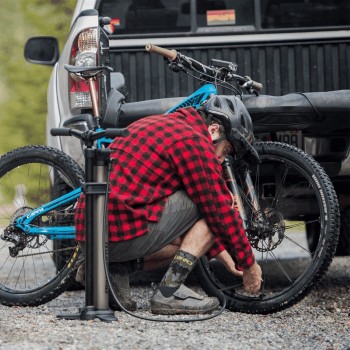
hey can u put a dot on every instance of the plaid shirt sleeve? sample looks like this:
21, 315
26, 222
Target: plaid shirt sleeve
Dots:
200, 171
215, 249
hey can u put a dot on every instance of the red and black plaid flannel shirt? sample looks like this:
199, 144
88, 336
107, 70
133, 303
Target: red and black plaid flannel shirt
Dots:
161, 155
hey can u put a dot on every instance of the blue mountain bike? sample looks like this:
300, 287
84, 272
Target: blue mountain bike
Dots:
39, 188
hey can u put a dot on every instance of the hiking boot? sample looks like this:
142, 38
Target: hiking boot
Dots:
121, 287
183, 301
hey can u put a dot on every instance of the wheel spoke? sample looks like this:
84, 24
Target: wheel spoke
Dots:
280, 180
296, 243
271, 253
291, 198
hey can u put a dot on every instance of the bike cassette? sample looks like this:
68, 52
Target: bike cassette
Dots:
268, 233
20, 239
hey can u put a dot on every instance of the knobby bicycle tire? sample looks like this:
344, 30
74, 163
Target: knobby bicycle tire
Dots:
31, 272
294, 191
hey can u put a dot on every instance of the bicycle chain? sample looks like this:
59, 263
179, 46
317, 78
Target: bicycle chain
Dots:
48, 252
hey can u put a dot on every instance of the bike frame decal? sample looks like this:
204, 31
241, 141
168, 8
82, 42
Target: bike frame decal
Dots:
59, 232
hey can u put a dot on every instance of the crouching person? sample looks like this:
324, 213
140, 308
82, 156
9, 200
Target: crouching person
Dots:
169, 204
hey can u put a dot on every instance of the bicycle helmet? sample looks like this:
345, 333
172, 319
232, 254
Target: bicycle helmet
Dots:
233, 115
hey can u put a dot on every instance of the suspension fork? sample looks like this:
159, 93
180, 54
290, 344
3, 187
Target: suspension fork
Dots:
248, 191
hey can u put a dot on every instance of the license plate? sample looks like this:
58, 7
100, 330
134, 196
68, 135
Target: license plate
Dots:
294, 138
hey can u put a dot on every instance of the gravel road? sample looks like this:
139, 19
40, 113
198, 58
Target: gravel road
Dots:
320, 321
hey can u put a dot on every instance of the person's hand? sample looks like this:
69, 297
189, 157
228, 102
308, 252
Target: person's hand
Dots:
225, 258
252, 279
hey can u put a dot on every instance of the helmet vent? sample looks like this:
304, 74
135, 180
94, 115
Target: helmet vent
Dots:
243, 121
230, 105
217, 103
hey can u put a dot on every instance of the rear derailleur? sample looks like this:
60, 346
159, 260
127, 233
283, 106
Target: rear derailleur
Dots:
19, 239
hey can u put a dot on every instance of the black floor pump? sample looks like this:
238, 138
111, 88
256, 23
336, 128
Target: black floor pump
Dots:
95, 189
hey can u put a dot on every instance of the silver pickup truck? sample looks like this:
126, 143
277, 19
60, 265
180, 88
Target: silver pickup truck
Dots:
301, 56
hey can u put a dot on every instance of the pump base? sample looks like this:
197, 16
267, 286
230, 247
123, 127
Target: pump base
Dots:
90, 313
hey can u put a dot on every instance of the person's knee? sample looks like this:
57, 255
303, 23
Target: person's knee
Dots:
198, 239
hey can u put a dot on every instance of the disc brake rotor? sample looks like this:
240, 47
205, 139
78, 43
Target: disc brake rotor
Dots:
267, 234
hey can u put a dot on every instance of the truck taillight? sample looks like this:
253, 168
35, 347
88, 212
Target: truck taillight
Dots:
83, 53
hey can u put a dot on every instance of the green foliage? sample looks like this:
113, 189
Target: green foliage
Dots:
50, 17
23, 86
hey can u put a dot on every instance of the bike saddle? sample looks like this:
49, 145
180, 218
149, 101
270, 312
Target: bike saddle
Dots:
86, 71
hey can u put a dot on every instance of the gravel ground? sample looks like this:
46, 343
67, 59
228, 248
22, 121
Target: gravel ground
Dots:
320, 321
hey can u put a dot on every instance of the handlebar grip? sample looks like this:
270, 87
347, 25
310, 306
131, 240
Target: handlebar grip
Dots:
169, 54
257, 86
112, 133
60, 132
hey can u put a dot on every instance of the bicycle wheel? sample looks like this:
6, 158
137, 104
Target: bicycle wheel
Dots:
293, 192
30, 177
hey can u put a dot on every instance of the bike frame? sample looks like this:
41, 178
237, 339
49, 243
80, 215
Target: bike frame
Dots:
68, 232
58, 232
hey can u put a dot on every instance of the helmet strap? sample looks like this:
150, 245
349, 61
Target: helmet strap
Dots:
208, 119
220, 139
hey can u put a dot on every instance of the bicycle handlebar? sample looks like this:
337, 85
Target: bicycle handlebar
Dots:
60, 132
90, 135
176, 57
257, 86
171, 55
122, 132
253, 84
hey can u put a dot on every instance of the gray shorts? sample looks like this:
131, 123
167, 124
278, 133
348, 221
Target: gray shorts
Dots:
179, 215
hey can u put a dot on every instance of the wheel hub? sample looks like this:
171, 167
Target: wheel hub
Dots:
268, 232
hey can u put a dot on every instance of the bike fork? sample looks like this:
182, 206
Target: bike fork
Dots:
234, 188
